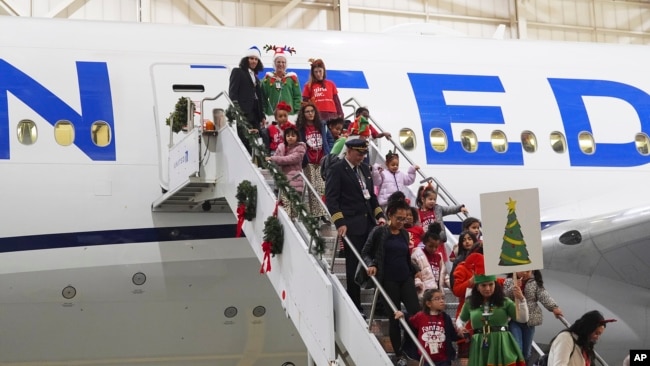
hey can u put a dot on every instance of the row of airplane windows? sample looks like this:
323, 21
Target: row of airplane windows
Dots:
64, 133
100, 131
469, 141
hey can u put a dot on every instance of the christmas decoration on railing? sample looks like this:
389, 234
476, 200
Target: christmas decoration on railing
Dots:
178, 118
234, 114
273, 239
246, 204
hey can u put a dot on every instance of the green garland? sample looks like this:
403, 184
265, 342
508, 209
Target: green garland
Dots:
178, 118
274, 233
247, 195
234, 114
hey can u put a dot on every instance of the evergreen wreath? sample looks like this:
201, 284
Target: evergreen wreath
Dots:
234, 114
247, 196
274, 233
178, 118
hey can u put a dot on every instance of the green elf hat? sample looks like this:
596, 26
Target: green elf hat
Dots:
481, 278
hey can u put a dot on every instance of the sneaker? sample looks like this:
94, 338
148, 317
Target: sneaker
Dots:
401, 362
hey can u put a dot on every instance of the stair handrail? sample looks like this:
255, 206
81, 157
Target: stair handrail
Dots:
354, 250
567, 325
391, 304
439, 185
374, 279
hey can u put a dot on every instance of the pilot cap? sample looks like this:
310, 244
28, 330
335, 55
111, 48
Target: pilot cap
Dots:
357, 144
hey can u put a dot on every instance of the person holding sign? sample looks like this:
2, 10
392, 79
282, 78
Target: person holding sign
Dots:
488, 311
532, 285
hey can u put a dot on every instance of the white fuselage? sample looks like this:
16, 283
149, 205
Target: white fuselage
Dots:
123, 74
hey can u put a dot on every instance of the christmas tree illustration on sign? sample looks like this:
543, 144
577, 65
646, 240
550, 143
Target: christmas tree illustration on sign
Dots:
513, 247
512, 235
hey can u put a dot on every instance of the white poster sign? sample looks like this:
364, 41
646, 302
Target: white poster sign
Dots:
512, 235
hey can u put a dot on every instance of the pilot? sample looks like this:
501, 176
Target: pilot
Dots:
351, 200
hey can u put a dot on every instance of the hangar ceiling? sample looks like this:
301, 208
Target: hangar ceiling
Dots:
610, 21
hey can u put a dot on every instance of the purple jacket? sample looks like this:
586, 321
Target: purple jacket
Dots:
290, 162
389, 183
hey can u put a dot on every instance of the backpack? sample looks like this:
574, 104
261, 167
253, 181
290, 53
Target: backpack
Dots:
325, 163
543, 361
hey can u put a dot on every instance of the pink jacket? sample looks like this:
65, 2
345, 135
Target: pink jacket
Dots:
389, 183
290, 162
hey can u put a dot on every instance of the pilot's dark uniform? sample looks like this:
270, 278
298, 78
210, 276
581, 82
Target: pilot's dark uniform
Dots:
350, 206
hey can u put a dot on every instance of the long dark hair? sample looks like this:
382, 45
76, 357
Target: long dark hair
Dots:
301, 121
497, 298
583, 328
462, 252
243, 64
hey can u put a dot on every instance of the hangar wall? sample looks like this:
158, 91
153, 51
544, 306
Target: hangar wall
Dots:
611, 21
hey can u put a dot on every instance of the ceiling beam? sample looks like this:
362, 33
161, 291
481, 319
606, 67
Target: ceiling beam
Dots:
344, 15
8, 8
60, 8
212, 13
282, 13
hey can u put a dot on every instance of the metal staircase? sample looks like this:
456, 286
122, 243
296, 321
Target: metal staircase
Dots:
313, 298
205, 169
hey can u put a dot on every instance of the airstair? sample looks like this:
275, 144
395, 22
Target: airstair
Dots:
205, 169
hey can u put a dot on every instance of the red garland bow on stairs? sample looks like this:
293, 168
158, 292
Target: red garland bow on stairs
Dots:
273, 239
247, 204
241, 210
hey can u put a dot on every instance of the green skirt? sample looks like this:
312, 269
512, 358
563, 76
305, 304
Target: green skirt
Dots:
501, 349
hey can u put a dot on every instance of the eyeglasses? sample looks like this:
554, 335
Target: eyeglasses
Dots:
309, 111
400, 218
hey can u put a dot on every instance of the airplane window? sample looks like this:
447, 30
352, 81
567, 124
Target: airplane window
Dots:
27, 132
438, 140
64, 133
529, 141
100, 133
558, 142
468, 140
586, 141
499, 141
407, 138
641, 141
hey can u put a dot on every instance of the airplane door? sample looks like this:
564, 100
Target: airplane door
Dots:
172, 81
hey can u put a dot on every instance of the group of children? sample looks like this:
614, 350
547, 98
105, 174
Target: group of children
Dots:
424, 223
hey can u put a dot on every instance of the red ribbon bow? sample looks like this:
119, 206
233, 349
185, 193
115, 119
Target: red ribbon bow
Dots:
241, 211
266, 248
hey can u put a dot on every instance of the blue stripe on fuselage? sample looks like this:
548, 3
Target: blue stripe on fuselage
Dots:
108, 237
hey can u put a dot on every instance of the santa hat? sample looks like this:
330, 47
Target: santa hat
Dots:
253, 52
475, 262
279, 51
283, 106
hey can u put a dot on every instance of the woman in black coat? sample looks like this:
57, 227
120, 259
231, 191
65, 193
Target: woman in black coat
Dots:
386, 253
245, 89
